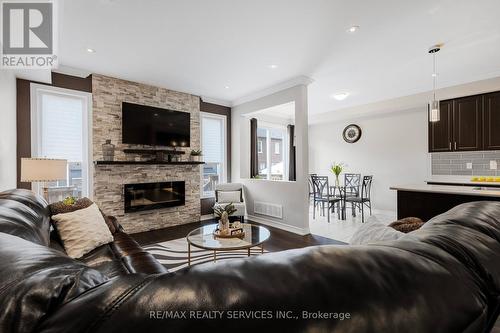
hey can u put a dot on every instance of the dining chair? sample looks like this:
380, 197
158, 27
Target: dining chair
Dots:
364, 199
322, 195
352, 183
311, 187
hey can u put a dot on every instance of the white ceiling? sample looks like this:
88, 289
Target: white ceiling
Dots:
201, 46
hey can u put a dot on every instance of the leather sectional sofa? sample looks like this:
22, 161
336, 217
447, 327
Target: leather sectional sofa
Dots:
445, 277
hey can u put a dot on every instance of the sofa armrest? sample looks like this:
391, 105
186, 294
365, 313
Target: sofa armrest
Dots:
113, 224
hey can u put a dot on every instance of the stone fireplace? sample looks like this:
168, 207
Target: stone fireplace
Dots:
110, 179
148, 196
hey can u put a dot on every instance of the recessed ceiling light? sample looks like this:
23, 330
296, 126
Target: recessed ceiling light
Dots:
353, 28
227, 87
89, 50
340, 96
273, 66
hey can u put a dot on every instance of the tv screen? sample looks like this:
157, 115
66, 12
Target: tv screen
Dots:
147, 125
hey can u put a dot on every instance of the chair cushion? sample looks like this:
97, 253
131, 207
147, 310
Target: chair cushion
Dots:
39, 280
229, 196
82, 231
239, 206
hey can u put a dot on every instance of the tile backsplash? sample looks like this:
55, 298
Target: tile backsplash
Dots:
455, 163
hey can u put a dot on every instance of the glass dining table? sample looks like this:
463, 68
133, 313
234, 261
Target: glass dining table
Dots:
342, 191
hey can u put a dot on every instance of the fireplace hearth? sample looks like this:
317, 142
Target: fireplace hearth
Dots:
148, 196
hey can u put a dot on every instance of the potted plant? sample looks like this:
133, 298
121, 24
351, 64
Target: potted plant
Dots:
336, 169
222, 213
195, 155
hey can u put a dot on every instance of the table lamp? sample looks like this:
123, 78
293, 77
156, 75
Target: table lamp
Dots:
43, 170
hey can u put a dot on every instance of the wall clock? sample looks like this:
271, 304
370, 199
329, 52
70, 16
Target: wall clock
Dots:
352, 133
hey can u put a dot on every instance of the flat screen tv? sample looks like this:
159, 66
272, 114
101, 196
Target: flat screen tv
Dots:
147, 125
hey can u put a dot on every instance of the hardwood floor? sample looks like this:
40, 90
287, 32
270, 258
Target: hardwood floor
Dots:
280, 240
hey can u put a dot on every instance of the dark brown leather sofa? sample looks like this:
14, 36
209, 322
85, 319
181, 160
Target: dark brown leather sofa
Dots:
445, 277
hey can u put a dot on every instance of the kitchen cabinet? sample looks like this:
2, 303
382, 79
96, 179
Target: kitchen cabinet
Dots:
440, 132
491, 123
465, 123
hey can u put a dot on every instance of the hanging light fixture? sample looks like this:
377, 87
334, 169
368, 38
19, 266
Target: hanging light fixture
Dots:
434, 110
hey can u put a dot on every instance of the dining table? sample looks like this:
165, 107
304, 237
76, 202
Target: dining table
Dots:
342, 191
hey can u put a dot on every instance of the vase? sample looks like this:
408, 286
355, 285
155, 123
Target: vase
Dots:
337, 182
108, 151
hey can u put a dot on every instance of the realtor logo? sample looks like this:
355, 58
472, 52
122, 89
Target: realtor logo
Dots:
28, 34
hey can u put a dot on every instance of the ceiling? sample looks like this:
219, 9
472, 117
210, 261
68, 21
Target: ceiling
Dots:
223, 49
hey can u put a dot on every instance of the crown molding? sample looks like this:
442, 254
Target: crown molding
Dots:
216, 101
296, 81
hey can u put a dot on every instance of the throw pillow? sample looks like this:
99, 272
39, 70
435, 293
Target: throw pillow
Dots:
62, 207
407, 224
228, 196
82, 231
373, 231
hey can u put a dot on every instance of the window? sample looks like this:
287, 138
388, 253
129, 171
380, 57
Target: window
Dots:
272, 166
60, 120
213, 145
259, 147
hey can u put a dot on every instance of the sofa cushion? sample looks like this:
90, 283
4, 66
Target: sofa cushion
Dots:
19, 219
82, 231
39, 280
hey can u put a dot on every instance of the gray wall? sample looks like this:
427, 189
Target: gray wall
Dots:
455, 163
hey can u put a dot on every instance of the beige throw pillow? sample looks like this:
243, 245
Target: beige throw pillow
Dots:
82, 231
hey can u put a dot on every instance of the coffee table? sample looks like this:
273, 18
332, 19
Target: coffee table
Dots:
204, 238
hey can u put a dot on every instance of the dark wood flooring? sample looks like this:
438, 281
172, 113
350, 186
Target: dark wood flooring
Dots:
280, 240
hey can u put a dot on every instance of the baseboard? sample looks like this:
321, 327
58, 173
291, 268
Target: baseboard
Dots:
279, 225
206, 217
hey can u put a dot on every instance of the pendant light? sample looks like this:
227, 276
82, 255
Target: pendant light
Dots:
434, 109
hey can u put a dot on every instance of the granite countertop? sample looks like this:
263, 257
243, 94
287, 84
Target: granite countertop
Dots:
450, 189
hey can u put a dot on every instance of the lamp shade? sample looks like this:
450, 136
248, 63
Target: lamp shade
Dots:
42, 169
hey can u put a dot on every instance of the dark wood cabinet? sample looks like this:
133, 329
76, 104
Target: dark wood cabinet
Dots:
467, 123
491, 121
440, 132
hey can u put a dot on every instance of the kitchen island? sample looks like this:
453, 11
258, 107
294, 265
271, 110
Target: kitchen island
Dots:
426, 201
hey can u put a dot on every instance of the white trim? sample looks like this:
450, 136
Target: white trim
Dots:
35, 90
216, 101
299, 80
224, 143
279, 225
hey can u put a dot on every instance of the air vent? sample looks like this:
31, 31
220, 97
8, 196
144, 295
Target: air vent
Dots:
268, 209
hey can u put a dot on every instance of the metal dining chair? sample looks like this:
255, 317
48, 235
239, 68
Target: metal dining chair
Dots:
322, 196
364, 199
352, 183
311, 187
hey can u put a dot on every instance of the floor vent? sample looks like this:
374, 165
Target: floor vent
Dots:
268, 209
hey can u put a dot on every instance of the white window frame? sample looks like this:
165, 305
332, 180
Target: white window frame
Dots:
36, 91
285, 141
277, 148
224, 152
259, 147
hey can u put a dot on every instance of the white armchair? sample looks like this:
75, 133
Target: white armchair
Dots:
231, 193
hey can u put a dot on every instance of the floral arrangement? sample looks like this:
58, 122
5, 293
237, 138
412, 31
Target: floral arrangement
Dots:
225, 211
196, 152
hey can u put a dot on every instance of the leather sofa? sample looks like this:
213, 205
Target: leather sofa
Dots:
444, 277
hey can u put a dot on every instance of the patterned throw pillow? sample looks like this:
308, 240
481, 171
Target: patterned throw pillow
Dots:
60, 208
82, 230
407, 224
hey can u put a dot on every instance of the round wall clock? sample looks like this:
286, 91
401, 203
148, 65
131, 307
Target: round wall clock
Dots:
352, 133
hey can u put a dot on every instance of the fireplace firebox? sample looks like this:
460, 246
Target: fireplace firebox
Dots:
147, 196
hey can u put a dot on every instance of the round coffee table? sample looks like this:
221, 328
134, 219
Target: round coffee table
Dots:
204, 238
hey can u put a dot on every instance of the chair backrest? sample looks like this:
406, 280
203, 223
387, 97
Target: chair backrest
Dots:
320, 186
366, 188
311, 186
352, 182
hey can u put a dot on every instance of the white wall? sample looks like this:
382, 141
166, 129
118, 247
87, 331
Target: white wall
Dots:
291, 195
393, 148
7, 130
